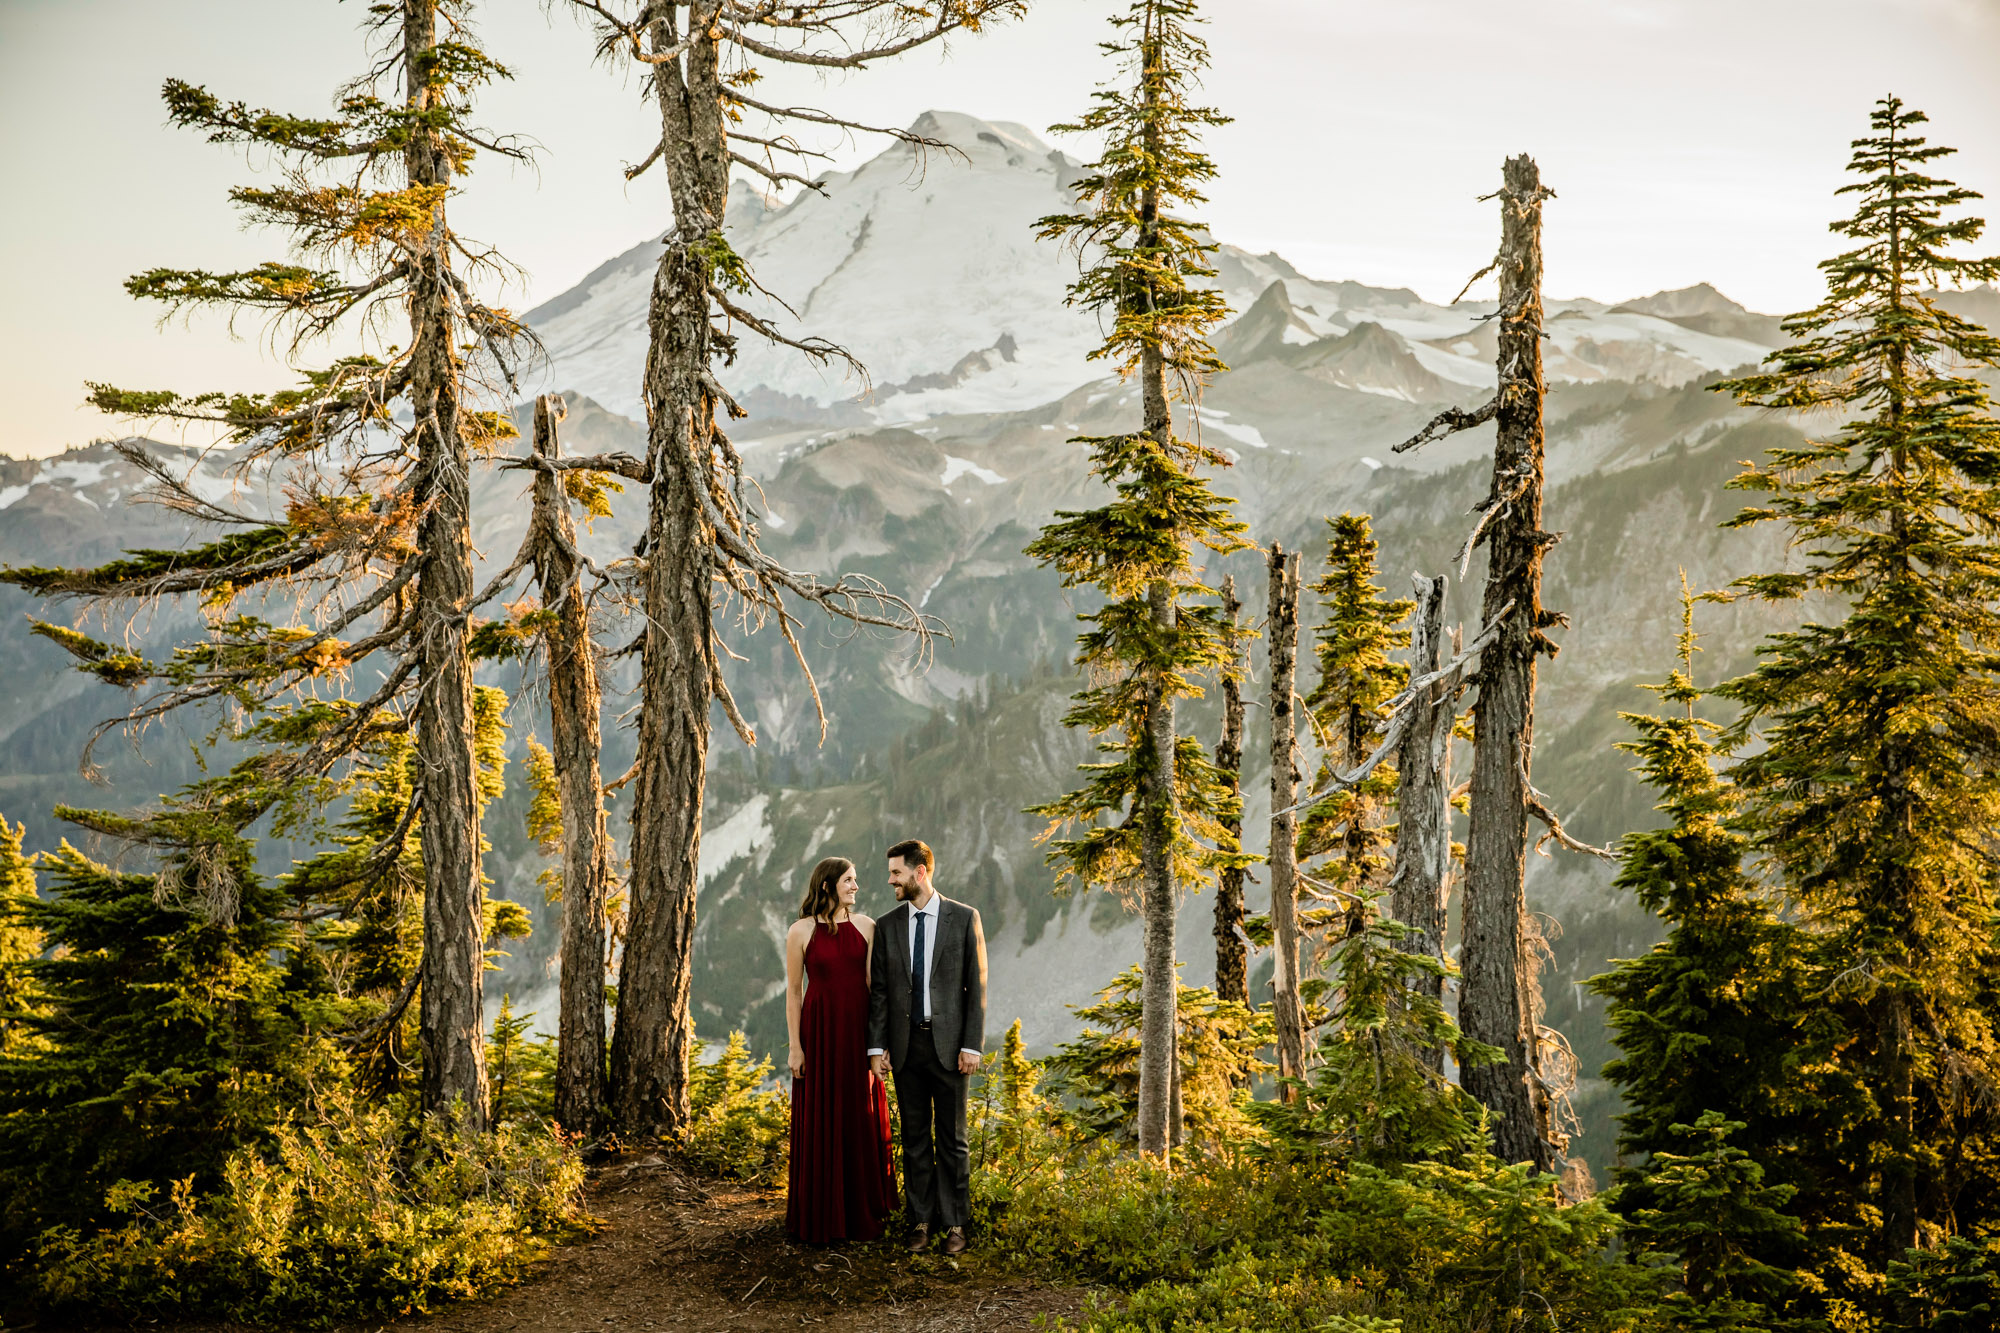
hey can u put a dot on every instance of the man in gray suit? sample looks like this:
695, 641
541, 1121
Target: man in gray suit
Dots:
927, 1021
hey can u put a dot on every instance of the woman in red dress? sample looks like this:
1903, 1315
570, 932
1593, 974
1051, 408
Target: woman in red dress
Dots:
842, 1182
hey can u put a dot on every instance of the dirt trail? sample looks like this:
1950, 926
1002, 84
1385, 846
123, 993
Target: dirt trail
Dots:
678, 1254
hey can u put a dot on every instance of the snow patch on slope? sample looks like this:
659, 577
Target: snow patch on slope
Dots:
954, 468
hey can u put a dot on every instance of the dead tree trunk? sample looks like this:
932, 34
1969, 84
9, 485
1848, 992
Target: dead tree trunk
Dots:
1418, 884
1500, 1000
1232, 967
574, 703
1288, 1012
451, 1024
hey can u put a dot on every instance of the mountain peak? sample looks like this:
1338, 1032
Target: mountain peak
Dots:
1684, 302
972, 135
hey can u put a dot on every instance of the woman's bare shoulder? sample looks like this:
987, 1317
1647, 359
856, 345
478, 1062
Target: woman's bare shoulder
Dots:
801, 929
862, 923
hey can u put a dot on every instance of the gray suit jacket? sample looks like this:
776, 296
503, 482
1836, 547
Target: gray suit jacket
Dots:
958, 984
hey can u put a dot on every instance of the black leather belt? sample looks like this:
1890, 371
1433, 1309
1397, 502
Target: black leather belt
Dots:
923, 1025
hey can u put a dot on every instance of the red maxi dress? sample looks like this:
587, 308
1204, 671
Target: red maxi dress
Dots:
842, 1182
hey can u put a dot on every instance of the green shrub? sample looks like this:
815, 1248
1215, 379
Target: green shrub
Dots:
741, 1130
1082, 1209
1241, 1292
355, 1214
1236, 1240
1954, 1288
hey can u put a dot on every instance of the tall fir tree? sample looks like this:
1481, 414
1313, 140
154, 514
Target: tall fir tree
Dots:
1874, 782
1149, 820
20, 941
374, 451
1350, 827
1708, 1022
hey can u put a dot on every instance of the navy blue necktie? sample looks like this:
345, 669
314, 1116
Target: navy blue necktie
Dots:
917, 973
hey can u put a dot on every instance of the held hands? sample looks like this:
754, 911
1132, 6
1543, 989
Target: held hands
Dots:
880, 1064
796, 1061
968, 1062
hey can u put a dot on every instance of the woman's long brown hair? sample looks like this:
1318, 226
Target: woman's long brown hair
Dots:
823, 889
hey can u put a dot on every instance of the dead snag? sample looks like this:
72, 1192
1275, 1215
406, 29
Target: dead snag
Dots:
1232, 974
1500, 1000
574, 702
1418, 883
1288, 1013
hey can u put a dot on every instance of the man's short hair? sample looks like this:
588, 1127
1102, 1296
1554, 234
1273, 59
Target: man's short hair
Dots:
914, 852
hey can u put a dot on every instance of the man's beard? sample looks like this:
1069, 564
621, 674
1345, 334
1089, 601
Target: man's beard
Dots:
904, 892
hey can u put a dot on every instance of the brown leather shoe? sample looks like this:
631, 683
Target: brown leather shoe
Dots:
920, 1240
954, 1241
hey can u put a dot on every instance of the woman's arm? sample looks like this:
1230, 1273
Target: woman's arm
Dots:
795, 990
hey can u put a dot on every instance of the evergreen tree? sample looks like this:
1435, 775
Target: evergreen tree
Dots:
20, 942
163, 1039
1875, 783
523, 1067
1356, 678
1708, 1022
1374, 1095
360, 902
1151, 815
1218, 1047
1712, 1217
377, 525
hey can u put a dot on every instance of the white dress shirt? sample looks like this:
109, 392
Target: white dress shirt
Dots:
922, 984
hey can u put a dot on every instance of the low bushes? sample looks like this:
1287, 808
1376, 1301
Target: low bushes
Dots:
355, 1214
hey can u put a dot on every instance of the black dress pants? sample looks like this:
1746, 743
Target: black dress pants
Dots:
937, 1163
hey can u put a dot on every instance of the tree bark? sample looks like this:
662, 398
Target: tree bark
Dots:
574, 705
1500, 1001
451, 1024
1159, 997
1288, 1013
1419, 881
649, 1050
1232, 964
654, 1031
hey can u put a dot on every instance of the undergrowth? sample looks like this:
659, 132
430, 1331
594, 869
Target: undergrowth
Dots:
358, 1213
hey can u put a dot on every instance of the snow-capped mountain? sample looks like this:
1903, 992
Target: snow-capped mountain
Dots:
925, 265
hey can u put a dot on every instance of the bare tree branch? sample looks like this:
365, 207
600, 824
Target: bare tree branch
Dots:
1450, 422
1397, 714
1537, 803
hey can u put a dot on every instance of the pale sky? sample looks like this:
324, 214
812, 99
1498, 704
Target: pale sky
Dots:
1687, 141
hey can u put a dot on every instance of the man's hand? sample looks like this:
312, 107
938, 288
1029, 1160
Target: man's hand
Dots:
880, 1064
968, 1062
